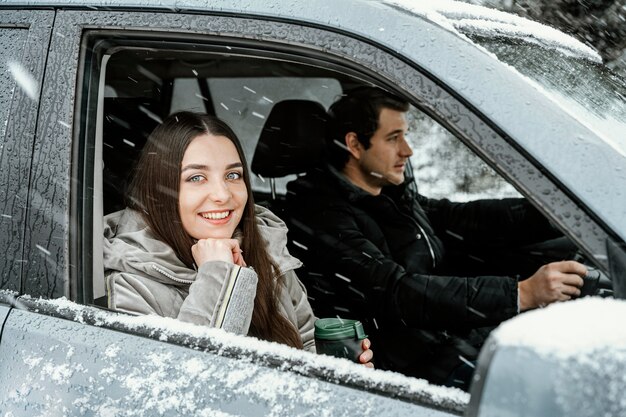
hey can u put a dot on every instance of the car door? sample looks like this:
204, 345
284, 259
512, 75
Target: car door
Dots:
60, 357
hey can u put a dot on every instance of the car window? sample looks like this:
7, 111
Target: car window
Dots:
246, 102
143, 86
444, 167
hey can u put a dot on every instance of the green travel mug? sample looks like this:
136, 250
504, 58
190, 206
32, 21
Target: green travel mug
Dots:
339, 337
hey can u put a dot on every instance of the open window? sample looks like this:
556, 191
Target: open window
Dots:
133, 84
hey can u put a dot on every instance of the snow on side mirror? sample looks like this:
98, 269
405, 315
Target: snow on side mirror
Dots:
565, 360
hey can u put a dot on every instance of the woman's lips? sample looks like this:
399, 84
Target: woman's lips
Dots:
217, 217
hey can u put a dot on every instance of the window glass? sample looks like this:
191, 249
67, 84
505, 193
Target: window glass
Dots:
445, 168
588, 90
11, 46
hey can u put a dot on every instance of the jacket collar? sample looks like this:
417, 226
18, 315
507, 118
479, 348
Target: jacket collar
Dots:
403, 191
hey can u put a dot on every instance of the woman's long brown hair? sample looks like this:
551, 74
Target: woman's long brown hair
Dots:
154, 192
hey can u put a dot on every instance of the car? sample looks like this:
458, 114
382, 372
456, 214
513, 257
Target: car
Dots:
500, 105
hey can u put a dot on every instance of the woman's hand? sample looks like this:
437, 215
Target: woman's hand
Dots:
366, 357
227, 250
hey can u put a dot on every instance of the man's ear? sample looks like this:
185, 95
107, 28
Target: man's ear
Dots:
353, 145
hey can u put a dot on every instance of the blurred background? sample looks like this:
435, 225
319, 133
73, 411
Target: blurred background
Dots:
598, 23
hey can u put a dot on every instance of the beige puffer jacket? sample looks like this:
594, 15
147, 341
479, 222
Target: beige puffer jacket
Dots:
144, 276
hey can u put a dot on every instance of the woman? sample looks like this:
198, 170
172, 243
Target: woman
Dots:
182, 247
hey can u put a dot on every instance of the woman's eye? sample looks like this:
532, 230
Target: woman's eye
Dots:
195, 178
233, 175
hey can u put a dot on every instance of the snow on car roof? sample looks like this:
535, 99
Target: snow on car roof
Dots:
568, 329
463, 18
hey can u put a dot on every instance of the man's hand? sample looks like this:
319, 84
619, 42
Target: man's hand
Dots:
557, 281
227, 250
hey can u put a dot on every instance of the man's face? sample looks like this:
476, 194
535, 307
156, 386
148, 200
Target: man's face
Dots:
384, 161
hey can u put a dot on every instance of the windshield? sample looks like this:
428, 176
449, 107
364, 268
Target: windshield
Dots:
594, 165
587, 90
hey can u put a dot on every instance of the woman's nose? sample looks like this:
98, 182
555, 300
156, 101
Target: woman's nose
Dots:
219, 191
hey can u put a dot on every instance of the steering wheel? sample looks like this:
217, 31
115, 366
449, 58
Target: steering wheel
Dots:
596, 283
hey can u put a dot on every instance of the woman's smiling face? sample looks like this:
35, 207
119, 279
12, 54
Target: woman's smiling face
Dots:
212, 193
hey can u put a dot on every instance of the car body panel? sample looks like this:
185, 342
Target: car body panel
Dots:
24, 39
52, 365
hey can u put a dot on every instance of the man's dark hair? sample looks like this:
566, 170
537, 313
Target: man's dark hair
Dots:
357, 111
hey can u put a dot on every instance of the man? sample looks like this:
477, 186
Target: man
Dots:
407, 265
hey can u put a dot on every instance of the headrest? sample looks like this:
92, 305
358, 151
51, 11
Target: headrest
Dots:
292, 140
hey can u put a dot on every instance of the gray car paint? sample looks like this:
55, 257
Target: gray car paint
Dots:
58, 366
48, 237
16, 147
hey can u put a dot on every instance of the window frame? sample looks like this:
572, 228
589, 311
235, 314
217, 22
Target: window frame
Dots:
18, 142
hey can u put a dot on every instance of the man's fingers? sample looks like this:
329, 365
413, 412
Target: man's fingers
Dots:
564, 297
572, 267
570, 291
573, 280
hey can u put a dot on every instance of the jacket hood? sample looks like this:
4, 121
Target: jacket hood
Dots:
274, 231
130, 246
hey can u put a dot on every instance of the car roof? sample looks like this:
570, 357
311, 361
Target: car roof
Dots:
448, 14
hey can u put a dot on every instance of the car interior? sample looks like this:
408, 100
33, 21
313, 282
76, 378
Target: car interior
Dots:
276, 107
276, 104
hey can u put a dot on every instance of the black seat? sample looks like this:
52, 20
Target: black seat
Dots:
292, 141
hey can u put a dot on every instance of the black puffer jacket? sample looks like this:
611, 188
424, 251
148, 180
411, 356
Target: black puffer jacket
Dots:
384, 259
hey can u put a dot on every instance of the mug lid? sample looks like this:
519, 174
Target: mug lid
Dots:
336, 329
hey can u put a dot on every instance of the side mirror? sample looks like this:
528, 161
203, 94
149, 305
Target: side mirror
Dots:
565, 360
